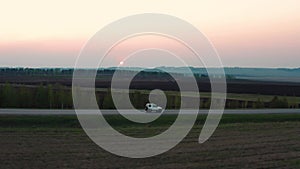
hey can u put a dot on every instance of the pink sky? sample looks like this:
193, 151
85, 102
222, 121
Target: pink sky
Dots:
248, 33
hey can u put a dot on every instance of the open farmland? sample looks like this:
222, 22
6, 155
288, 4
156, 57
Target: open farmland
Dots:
241, 141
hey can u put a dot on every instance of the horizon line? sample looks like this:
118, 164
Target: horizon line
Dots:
68, 67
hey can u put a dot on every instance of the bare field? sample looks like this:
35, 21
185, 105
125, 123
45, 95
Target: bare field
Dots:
269, 144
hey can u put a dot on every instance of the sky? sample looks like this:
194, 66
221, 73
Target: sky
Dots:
248, 33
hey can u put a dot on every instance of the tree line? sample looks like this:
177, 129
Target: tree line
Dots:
50, 96
60, 97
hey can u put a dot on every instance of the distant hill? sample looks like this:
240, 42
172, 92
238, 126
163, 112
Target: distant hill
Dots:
265, 74
261, 74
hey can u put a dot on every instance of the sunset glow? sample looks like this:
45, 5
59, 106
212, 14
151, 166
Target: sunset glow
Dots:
249, 33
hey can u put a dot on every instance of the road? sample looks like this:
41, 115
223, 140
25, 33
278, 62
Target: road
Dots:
169, 112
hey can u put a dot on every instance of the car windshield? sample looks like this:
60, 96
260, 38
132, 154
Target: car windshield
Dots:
154, 105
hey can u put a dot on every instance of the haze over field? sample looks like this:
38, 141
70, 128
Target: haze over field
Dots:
249, 33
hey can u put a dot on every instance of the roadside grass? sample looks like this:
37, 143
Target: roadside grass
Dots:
70, 121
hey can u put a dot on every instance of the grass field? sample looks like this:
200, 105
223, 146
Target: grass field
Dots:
292, 100
233, 96
241, 141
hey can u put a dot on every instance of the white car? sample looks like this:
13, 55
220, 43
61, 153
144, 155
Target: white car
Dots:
151, 107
